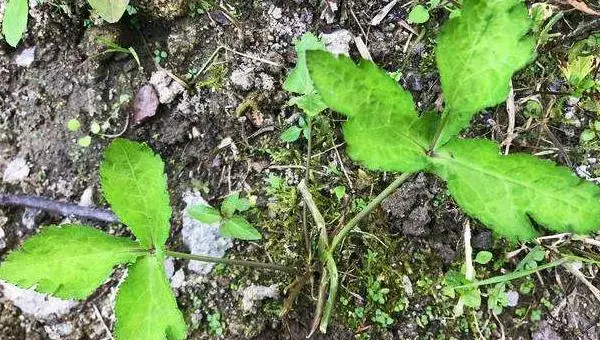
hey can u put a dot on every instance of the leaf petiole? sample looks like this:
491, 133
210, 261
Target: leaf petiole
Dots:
211, 259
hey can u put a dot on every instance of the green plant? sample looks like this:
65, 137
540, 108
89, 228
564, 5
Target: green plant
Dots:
112, 47
215, 327
71, 261
477, 54
159, 56
16, 14
293, 133
230, 225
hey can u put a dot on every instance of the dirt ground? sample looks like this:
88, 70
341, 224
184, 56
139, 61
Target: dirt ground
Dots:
210, 148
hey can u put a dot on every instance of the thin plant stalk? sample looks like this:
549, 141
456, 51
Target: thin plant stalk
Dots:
251, 264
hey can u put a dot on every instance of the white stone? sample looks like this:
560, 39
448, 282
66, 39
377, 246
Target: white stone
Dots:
275, 12
243, 78
513, 298
254, 293
178, 279
2, 240
165, 86
25, 57
201, 238
87, 198
16, 171
35, 304
338, 42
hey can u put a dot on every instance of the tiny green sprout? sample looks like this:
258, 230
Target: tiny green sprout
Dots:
230, 225
293, 133
84, 141
73, 125
418, 15
497, 298
382, 318
215, 326
536, 315
132, 10
483, 257
339, 192
159, 56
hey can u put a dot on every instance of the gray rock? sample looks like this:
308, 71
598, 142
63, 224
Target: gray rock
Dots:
338, 42
545, 332
16, 171
35, 304
254, 293
59, 331
2, 236
169, 267
243, 78
201, 238
165, 86
87, 197
31, 218
513, 298
178, 279
25, 57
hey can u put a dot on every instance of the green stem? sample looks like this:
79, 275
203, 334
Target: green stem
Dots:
438, 132
337, 239
306, 180
250, 264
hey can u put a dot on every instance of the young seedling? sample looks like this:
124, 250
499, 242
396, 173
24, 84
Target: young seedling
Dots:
477, 53
230, 224
71, 261
293, 132
16, 14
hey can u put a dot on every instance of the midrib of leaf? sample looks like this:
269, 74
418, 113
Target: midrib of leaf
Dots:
502, 178
143, 198
94, 255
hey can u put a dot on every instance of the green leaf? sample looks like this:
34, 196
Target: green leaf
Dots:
383, 129
509, 193
205, 214
234, 203
135, 185
73, 125
477, 54
238, 227
299, 81
311, 104
110, 10
291, 134
483, 257
418, 15
15, 20
69, 262
145, 306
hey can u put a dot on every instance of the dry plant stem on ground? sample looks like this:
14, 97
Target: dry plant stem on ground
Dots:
330, 277
105, 215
